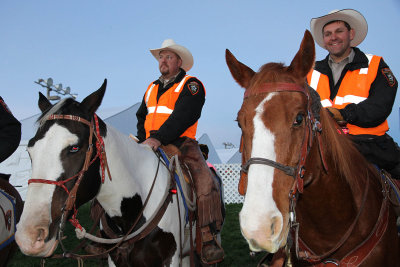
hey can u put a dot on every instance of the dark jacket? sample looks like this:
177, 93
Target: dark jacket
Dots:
377, 107
10, 132
186, 112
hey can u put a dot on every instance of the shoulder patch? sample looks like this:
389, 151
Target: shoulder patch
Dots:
193, 87
389, 76
4, 105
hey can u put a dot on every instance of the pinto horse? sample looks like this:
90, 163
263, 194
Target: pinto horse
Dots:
10, 212
76, 157
306, 186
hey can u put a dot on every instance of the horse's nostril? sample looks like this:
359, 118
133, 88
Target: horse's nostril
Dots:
275, 225
41, 234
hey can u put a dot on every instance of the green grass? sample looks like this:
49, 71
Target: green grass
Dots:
236, 248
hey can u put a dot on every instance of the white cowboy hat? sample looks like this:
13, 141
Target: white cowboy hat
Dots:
351, 16
182, 52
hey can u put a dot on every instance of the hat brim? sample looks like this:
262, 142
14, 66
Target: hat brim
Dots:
354, 18
182, 52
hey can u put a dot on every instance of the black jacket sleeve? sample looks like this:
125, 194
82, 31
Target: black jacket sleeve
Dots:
10, 132
186, 112
377, 107
141, 117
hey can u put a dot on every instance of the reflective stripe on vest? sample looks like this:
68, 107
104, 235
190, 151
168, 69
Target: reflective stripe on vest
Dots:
159, 111
354, 88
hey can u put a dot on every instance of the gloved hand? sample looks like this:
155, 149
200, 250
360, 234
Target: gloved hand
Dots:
152, 142
335, 113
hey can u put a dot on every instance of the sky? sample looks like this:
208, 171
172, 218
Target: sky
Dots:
80, 43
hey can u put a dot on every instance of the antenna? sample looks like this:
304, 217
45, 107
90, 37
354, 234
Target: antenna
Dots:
49, 85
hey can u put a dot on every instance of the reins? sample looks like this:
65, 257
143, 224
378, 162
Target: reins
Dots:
304, 255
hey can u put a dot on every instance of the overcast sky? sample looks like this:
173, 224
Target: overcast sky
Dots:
79, 43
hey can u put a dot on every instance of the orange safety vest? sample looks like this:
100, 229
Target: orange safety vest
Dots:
159, 112
354, 88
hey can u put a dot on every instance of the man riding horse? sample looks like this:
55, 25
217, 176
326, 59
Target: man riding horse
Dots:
168, 115
357, 88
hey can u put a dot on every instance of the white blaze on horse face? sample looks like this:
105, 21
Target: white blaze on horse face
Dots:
33, 226
260, 219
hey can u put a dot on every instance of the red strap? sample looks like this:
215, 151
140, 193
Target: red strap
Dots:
275, 87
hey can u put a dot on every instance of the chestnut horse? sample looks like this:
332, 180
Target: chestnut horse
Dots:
76, 157
8, 218
306, 186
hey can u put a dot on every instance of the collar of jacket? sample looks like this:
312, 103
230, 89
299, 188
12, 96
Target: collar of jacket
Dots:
359, 61
178, 78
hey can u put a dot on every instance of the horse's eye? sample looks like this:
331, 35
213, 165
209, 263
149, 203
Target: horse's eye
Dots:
299, 119
74, 149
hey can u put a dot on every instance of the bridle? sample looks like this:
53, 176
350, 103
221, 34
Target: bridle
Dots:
313, 129
69, 205
130, 236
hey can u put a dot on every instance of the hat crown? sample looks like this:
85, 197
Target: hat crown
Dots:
181, 51
167, 43
334, 11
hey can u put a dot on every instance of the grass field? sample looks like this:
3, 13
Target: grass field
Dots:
236, 249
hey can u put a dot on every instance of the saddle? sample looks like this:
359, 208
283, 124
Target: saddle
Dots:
171, 151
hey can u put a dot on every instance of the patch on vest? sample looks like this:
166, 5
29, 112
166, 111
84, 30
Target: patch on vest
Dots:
389, 76
194, 87
7, 218
4, 105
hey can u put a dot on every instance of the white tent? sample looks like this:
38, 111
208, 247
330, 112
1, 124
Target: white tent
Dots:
123, 119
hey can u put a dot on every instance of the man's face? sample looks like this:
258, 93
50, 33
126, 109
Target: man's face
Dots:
169, 63
337, 39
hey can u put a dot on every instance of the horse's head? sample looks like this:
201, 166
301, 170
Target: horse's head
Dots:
273, 119
58, 153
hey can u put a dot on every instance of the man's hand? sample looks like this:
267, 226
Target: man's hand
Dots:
335, 113
153, 143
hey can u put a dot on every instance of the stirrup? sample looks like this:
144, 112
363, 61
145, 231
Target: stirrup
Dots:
210, 246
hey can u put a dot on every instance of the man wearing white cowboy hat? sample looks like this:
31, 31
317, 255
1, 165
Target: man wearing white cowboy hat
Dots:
168, 115
357, 88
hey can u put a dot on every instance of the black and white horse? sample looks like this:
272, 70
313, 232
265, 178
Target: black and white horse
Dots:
58, 153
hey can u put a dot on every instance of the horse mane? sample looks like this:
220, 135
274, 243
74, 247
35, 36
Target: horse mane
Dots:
341, 149
347, 160
53, 110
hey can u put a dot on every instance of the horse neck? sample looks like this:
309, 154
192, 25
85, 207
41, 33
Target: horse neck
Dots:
133, 168
337, 192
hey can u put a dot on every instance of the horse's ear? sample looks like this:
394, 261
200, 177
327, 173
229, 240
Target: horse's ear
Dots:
92, 102
303, 62
43, 103
240, 72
